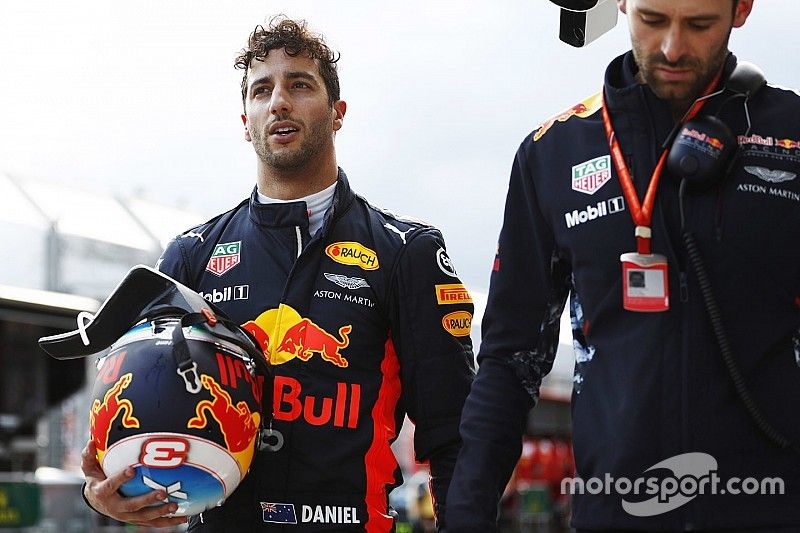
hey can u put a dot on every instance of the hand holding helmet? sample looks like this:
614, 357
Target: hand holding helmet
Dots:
176, 402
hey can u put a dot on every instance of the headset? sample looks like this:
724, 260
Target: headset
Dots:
704, 149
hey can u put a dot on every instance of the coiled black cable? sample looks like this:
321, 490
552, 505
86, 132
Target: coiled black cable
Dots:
731, 363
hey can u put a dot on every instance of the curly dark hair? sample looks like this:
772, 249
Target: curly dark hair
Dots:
294, 37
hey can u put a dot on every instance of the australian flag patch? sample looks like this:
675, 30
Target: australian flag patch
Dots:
278, 513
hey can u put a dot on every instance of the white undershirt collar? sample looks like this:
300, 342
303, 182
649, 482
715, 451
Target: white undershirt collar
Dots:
317, 205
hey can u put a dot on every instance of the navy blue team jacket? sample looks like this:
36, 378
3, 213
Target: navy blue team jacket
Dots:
362, 323
647, 386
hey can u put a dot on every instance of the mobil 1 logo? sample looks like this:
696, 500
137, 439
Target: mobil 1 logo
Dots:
226, 294
593, 212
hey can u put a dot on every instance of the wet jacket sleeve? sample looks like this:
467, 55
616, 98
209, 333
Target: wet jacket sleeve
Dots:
527, 293
435, 353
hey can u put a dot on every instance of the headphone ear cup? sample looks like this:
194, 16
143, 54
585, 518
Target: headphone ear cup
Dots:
703, 153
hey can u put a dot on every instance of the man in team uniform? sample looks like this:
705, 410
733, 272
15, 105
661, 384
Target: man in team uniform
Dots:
360, 314
653, 396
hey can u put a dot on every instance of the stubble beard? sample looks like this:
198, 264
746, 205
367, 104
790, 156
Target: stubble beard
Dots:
288, 159
680, 97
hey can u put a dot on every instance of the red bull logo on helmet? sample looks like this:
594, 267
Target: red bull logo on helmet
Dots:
582, 110
284, 335
238, 424
103, 414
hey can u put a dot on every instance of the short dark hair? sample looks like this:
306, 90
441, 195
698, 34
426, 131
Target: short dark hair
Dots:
735, 3
294, 37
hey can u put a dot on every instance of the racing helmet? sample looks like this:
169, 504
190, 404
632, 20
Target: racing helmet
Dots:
583, 21
178, 394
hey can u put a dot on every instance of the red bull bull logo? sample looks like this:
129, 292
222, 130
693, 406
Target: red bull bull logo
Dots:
305, 338
103, 414
789, 144
238, 424
703, 137
581, 110
297, 337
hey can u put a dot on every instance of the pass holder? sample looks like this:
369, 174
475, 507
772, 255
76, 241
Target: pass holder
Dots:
645, 282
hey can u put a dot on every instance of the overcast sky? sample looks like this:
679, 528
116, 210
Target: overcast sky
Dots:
141, 97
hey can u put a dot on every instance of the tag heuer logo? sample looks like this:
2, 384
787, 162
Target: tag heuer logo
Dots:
225, 257
589, 176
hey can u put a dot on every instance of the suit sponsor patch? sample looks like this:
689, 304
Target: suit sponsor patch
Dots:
452, 293
445, 264
593, 212
458, 323
771, 176
588, 177
225, 256
226, 294
346, 282
353, 254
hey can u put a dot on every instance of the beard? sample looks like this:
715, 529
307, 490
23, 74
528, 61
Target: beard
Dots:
318, 134
680, 95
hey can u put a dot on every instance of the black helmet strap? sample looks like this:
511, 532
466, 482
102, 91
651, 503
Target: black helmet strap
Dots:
187, 367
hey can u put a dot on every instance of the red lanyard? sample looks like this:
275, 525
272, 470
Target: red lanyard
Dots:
642, 214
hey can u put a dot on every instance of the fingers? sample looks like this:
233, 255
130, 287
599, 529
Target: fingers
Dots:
89, 464
164, 521
102, 492
149, 505
155, 516
147, 509
112, 484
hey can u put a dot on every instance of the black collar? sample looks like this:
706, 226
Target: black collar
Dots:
296, 213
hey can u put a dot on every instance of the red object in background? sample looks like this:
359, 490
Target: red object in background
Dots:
549, 460
526, 467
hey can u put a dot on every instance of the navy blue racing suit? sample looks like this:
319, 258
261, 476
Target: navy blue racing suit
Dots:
362, 323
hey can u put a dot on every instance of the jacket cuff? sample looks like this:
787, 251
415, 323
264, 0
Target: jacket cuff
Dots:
86, 500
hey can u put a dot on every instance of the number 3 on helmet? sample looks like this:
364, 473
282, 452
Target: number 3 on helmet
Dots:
178, 394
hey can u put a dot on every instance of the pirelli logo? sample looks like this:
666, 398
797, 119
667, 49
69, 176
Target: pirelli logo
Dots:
452, 293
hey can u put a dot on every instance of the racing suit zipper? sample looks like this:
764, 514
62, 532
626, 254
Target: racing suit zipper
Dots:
299, 234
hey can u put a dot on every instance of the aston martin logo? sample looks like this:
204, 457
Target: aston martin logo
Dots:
772, 176
346, 282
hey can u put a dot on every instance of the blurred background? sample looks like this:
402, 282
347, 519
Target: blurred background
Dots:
120, 127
